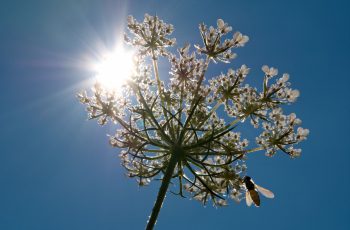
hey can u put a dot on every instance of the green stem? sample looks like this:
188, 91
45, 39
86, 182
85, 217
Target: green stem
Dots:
255, 150
161, 92
204, 120
156, 73
201, 78
162, 190
180, 108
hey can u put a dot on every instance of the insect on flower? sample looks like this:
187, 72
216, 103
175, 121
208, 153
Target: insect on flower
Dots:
252, 194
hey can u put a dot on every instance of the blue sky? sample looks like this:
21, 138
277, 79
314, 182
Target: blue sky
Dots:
57, 170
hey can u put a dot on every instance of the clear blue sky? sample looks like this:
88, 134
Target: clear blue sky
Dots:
57, 170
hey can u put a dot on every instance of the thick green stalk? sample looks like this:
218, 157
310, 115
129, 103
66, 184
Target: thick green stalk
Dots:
163, 189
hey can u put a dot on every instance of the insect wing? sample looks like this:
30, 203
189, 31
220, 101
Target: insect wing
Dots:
248, 198
267, 193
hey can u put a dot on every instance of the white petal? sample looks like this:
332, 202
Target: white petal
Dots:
265, 68
220, 23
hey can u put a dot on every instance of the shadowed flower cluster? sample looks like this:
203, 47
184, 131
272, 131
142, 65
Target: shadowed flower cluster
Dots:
185, 130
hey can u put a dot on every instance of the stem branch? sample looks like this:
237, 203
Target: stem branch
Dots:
162, 190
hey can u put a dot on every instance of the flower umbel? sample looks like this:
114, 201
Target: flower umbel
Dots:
178, 130
150, 36
215, 46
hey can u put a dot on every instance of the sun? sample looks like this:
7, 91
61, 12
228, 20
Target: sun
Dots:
114, 68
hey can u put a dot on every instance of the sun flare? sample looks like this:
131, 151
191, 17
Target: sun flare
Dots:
114, 68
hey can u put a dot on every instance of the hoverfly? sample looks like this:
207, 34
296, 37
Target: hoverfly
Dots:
252, 192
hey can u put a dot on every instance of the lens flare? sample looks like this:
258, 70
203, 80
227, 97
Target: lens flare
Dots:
115, 68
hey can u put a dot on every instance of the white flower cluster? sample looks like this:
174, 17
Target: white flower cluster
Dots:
242, 100
279, 133
150, 36
181, 131
185, 70
215, 47
103, 104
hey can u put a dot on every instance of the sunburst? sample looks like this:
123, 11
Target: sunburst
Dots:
115, 68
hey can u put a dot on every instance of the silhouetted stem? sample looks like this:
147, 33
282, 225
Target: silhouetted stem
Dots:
162, 191
161, 91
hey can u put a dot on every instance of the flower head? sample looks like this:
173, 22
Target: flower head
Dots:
150, 36
215, 46
270, 72
188, 130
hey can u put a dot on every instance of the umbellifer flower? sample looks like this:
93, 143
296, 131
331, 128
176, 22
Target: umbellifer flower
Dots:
179, 130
